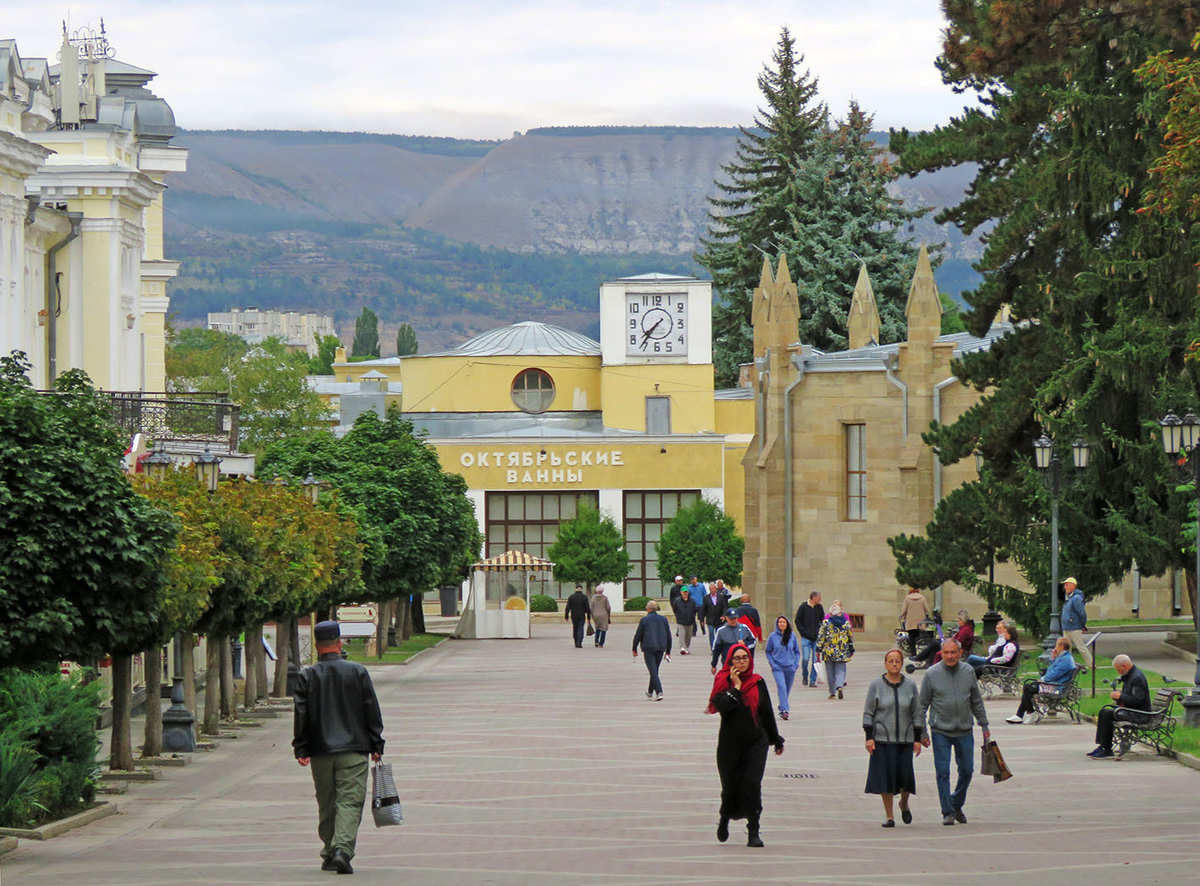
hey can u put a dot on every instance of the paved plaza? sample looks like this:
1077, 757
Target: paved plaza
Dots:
532, 762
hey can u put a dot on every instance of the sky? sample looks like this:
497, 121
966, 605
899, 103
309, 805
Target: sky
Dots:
476, 69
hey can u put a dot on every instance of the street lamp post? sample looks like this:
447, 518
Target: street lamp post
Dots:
312, 491
1181, 441
990, 618
1056, 481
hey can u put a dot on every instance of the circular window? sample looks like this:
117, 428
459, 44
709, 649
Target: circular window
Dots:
533, 391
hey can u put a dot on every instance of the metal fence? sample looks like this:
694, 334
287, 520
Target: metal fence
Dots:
180, 418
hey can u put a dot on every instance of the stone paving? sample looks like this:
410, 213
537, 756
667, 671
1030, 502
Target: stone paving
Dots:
532, 762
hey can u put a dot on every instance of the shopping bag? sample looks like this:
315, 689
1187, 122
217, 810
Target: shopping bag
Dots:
385, 799
1002, 771
987, 762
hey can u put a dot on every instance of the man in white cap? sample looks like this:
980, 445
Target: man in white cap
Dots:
676, 590
1074, 619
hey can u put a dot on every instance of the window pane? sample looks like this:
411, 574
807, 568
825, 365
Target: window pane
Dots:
533, 507
568, 508
653, 506
550, 507
635, 587
670, 505
635, 549
654, 531
633, 532
496, 534
688, 498
495, 506
633, 506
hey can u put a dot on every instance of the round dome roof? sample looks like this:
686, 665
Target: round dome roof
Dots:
528, 339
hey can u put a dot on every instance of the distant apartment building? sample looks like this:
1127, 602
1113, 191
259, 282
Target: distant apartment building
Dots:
298, 330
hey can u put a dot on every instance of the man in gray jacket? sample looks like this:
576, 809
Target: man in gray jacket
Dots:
949, 698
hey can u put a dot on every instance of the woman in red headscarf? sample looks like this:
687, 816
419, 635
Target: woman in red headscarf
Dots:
747, 729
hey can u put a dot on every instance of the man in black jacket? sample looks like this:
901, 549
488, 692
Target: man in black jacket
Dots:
337, 724
712, 610
808, 622
654, 636
1132, 702
579, 610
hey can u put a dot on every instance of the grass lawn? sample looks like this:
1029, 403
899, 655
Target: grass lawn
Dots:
356, 649
1186, 740
1183, 621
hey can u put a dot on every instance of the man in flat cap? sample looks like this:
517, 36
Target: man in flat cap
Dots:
337, 725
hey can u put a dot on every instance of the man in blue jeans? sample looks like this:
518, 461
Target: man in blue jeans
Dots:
808, 624
949, 699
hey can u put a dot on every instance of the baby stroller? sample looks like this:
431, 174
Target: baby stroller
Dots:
922, 644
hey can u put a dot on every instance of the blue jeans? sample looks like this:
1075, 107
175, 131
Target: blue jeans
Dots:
784, 677
577, 628
964, 747
976, 661
653, 660
600, 635
835, 673
808, 659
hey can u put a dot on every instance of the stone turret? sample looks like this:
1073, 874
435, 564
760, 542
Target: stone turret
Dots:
863, 322
923, 309
775, 315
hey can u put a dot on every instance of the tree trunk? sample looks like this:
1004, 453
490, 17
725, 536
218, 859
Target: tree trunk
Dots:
1189, 581
251, 653
404, 618
121, 754
381, 630
283, 655
418, 614
189, 671
152, 742
228, 687
212, 685
260, 675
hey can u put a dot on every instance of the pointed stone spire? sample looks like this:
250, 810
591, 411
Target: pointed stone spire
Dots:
924, 308
1004, 315
776, 313
863, 322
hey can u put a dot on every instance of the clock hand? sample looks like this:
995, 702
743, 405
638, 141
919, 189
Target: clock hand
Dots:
650, 331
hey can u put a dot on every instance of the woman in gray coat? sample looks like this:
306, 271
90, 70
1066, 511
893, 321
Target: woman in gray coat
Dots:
892, 721
601, 613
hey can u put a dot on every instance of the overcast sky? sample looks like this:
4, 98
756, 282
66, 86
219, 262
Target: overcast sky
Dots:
477, 69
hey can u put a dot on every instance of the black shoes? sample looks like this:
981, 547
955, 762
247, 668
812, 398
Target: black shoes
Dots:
340, 862
327, 864
906, 816
889, 824
723, 830
754, 840
960, 816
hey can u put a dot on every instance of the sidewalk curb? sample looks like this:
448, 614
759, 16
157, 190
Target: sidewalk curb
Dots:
7, 844
417, 655
103, 809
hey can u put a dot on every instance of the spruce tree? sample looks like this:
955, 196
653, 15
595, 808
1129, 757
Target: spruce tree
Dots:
366, 335
750, 211
1102, 296
842, 217
406, 340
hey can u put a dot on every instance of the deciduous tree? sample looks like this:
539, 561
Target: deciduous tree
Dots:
366, 335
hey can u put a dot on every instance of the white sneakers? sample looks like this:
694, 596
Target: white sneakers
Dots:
1027, 720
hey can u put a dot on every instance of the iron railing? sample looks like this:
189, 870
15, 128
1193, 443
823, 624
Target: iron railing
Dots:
177, 417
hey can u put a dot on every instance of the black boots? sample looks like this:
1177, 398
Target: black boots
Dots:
753, 839
723, 829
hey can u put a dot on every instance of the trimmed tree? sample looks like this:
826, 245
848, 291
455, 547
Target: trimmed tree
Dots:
750, 211
701, 540
589, 549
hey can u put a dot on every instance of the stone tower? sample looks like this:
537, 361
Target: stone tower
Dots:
863, 322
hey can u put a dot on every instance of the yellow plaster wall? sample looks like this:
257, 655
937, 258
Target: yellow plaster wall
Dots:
154, 226
735, 484
153, 325
529, 467
624, 390
484, 384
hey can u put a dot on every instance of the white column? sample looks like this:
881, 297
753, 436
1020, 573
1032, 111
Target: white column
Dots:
612, 504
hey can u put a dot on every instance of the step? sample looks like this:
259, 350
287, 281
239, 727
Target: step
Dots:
136, 775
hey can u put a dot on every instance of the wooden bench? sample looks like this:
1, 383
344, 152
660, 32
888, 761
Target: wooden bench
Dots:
1066, 699
1154, 728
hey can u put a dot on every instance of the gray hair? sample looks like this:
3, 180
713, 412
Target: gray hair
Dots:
950, 641
962, 613
652, 606
1122, 659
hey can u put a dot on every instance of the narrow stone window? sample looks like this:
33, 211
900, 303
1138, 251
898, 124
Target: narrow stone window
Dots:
856, 472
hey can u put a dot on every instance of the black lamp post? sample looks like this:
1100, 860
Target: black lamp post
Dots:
990, 618
1056, 481
1181, 441
208, 469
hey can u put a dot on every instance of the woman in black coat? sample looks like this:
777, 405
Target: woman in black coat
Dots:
747, 729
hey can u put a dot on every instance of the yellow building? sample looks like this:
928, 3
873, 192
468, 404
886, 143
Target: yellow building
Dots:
84, 151
536, 418
837, 464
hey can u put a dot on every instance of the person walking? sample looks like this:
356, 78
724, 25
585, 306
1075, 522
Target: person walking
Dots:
1058, 674
1074, 620
601, 615
336, 726
912, 614
579, 611
1133, 701
809, 617
747, 729
891, 720
749, 616
950, 697
783, 655
676, 590
685, 620
836, 646
729, 634
712, 612
653, 634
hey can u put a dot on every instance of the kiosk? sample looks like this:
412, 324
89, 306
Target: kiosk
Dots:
498, 602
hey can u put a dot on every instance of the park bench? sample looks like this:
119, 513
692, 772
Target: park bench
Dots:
1155, 728
1001, 679
1065, 700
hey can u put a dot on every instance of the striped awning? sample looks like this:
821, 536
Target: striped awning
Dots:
514, 561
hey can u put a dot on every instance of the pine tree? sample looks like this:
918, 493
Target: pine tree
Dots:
366, 335
751, 209
1102, 296
589, 549
842, 218
406, 340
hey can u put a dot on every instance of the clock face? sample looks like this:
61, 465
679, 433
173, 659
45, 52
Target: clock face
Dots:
656, 324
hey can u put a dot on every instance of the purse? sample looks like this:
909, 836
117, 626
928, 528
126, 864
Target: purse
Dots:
385, 799
590, 630
992, 763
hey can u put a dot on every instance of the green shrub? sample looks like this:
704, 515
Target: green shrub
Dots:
542, 603
51, 721
636, 604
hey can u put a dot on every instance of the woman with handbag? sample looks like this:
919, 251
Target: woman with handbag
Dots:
747, 729
892, 722
836, 647
601, 613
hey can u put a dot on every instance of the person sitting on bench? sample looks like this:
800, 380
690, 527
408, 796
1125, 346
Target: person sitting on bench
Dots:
1057, 676
965, 635
1133, 700
1003, 653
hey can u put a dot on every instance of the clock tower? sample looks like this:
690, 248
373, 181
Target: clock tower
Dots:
656, 354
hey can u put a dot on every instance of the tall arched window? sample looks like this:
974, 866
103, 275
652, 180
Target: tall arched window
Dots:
533, 390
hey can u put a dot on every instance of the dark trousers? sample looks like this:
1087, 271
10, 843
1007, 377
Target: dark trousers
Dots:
1105, 724
578, 627
600, 635
741, 769
653, 660
1027, 694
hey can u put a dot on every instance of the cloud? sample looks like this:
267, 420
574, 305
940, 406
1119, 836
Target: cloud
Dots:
473, 69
